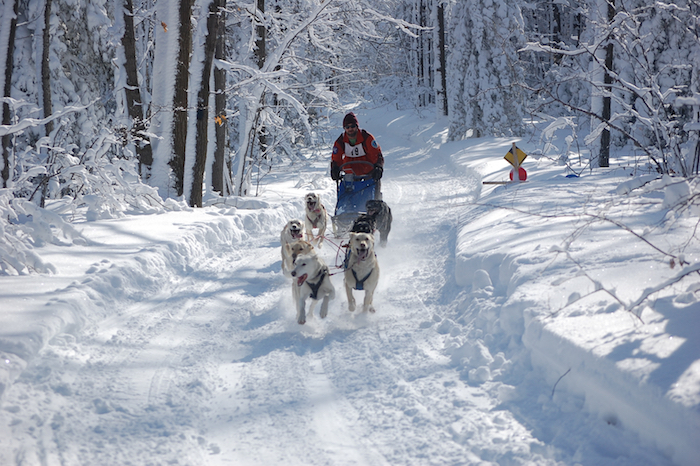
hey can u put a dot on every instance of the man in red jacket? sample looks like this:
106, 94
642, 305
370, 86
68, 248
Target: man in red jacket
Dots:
356, 145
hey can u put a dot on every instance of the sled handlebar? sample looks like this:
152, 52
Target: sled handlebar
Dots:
361, 162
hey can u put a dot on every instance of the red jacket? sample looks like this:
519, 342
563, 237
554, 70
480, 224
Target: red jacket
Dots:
365, 149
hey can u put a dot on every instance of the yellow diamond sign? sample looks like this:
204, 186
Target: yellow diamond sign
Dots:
511, 160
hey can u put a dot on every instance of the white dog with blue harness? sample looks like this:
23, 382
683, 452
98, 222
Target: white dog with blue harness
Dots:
361, 270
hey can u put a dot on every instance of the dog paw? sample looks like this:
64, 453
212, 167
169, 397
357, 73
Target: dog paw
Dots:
301, 321
324, 314
370, 309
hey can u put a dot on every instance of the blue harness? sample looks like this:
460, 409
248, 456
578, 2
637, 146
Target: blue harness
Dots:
360, 284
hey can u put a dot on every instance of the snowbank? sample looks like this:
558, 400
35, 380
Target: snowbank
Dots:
85, 281
586, 275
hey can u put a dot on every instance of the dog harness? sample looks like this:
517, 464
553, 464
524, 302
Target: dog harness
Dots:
314, 223
360, 284
317, 286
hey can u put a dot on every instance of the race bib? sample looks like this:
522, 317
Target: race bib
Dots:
354, 151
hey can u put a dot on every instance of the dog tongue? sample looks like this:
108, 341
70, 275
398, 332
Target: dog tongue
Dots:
296, 235
362, 254
301, 280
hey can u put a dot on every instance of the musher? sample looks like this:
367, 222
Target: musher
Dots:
354, 145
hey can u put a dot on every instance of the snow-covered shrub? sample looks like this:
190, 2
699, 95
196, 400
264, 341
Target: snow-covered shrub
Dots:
17, 256
99, 182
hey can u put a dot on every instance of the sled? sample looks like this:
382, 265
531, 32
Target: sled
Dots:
353, 193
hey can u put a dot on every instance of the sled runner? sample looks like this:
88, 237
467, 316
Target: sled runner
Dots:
353, 192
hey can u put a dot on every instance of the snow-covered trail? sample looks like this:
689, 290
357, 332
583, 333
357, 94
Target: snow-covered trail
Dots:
366, 389
213, 369
171, 338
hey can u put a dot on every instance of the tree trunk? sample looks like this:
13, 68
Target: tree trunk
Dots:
423, 45
261, 55
134, 103
220, 170
556, 23
6, 92
441, 68
203, 105
604, 156
420, 49
261, 35
45, 71
177, 163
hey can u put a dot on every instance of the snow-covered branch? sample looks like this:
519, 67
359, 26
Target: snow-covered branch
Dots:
25, 123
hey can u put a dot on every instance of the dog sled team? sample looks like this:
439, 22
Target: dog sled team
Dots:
357, 166
311, 277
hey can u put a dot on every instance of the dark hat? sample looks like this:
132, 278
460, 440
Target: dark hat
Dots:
349, 119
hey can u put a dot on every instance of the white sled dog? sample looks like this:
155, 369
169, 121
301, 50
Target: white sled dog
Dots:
312, 280
291, 251
361, 270
316, 217
292, 231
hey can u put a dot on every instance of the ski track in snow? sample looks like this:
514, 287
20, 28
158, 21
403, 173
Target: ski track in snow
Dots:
211, 372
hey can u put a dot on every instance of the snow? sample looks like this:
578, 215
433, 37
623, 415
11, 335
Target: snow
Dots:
552, 321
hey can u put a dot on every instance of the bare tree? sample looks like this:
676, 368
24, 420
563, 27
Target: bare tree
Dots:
134, 103
45, 70
305, 49
260, 33
252, 108
177, 163
604, 157
220, 169
441, 68
656, 64
203, 103
9, 16
422, 55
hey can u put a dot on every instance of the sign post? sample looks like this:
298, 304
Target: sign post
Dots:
514, 157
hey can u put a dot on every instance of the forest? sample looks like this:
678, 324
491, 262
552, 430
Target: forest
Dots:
111, 106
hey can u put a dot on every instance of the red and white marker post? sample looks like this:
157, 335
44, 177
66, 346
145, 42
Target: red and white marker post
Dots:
516, 158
